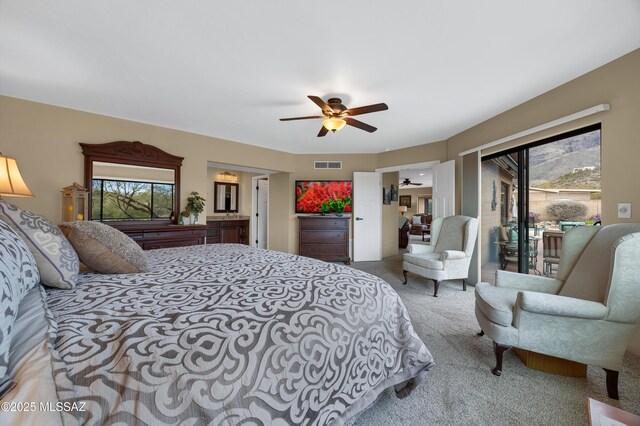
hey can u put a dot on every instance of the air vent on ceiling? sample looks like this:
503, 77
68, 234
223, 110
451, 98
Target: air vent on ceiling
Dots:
327, 164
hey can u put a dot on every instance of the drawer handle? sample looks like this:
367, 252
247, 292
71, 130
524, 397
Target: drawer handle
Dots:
359, 218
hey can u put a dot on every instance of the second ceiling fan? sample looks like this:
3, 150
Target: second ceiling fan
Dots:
337, 115
407, 182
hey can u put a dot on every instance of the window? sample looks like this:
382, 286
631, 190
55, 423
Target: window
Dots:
546, 187
131, 200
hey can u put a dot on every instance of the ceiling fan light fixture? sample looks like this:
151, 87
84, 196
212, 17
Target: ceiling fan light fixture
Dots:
334, 124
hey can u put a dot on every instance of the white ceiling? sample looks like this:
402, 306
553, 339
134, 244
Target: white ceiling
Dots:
230, 69
423, 176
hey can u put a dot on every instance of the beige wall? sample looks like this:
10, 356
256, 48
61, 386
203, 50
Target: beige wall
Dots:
145, 174
617, 84
390, 218
244, 190
58, 161
423, 191
436, 151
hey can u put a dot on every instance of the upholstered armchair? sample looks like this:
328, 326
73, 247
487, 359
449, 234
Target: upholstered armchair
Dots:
404, 226
449, 254
587, 314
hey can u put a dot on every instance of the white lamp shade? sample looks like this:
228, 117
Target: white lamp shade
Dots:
402, 209
11, 182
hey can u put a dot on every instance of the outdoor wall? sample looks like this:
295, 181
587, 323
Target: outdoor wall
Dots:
617, 84
490, 210
539, 201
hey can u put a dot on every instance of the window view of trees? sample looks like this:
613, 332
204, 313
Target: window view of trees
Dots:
127, 200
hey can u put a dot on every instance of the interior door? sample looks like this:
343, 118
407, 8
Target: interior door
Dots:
367, 216
444, 189
262, 213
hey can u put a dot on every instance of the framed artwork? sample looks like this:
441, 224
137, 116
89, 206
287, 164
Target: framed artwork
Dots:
405, 200
394, 193
624, 210
386, 195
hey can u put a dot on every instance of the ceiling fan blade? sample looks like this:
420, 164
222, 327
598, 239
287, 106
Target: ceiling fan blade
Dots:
302, 118
322, 104
360, 125
416, 184
323, 131
366, 109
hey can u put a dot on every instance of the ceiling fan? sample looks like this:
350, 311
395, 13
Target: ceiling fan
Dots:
407, 182
337, 115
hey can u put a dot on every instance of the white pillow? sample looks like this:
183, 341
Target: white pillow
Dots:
416, 220
18, 275
56, 259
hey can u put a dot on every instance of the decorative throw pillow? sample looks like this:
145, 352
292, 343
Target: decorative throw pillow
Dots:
105, 249
55, 257
18, 275
416, 220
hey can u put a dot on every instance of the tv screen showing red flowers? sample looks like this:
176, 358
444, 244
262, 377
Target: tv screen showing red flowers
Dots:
323, 196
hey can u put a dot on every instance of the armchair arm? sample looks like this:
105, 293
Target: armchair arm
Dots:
452, 254
551, 304
420, 248
527, 282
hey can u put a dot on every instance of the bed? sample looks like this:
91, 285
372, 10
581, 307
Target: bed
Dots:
222, 334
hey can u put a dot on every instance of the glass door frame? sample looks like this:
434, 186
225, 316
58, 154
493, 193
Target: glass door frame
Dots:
523, 185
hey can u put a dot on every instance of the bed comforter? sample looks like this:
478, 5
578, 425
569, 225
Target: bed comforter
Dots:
227, 334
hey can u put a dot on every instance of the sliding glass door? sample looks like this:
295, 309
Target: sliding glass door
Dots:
531, 195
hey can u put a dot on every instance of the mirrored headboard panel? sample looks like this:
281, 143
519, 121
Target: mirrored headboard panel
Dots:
131, 181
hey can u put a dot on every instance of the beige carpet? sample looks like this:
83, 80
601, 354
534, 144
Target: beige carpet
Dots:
461, 389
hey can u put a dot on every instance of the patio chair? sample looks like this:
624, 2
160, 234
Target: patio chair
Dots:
551, 251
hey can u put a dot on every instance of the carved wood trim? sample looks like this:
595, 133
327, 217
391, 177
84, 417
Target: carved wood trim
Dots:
134, 153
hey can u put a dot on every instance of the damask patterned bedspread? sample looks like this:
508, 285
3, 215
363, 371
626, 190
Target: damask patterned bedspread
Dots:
227, 334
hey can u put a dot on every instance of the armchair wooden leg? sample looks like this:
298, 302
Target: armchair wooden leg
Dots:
404, 274
499, 350
464, 284
612, 383
481, 333
437, 285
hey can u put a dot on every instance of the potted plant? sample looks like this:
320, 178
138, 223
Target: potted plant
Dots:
195, 206
184, 217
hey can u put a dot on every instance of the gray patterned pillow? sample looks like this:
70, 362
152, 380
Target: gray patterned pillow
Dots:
57, 261
104, 248
18, 275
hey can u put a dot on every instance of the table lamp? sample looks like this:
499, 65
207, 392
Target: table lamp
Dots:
11, 182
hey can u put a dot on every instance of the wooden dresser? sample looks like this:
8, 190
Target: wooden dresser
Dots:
325, 238
227, 231
156, 236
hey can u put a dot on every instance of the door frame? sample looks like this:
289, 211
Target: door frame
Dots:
253, 225
378, 212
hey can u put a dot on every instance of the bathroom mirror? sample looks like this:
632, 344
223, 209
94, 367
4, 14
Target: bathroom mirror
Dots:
226, 197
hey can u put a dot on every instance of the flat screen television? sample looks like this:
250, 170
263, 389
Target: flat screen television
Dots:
328, 196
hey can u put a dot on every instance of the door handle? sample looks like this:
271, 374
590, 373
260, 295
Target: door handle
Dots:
359, 218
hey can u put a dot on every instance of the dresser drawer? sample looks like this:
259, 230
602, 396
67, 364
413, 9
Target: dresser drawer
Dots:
176, 233
324, 223
324, 236
324, 250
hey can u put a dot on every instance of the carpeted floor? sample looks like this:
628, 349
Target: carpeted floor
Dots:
461, 389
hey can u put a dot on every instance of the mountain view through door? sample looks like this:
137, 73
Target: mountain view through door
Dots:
532, 195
